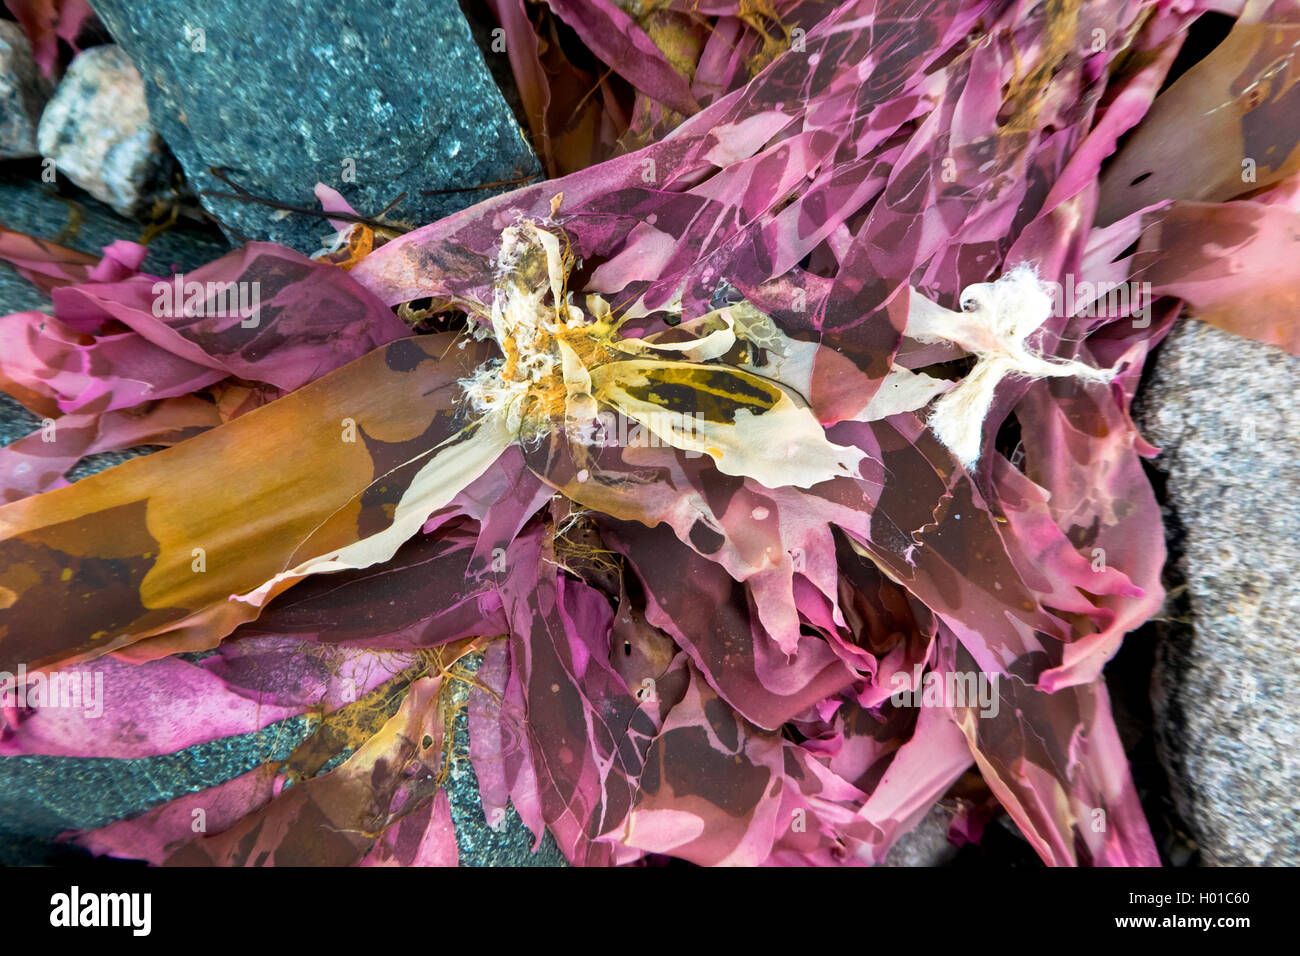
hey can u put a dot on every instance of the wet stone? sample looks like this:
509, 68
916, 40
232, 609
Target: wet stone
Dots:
97, 131
23, 92
1223, 411
379, 99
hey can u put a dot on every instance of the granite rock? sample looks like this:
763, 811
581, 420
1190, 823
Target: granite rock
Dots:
377, 98
96, 128
23, 92
1228, 660
926, 844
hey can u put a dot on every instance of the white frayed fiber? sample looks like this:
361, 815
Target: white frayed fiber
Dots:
996, 319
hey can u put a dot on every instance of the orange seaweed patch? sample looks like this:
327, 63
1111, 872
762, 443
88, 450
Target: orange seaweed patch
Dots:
159, 544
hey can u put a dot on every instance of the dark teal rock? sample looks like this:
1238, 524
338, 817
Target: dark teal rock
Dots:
40, 797
88, 225
377, 98
509, 843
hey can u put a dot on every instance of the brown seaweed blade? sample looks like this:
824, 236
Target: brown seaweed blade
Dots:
159, 545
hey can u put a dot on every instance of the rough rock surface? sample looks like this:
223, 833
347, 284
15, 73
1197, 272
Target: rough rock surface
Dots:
23, 92
40, 797
34, 209
96, 128
926, 844
1223, 410
509, 842
377, 98
87, 225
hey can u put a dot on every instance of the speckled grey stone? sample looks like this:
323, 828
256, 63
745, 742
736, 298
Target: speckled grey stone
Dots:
19, 295
926, 844
509, 843
96, 128
42, 796
1223, 410
23, 92
374, 97
35, 209
15, 421
31, 208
